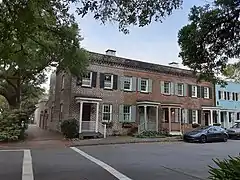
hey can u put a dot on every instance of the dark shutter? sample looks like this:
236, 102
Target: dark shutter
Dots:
233, 96
225, 95
94, 79
190, 90
79, 81
219, 94
228, 95
210, 93
199, 116
189, 116
115, 82
198, 91
101, 80
236, 96
202, 92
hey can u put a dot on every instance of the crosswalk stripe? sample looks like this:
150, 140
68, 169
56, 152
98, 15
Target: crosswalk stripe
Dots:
27, 169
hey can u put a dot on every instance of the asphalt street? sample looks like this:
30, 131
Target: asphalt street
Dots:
153, 161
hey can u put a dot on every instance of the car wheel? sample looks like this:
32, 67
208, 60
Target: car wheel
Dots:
225, 138
203, 139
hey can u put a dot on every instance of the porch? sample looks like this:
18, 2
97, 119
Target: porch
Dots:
228, 117
172, 117
148, 114
211, 115
89, 116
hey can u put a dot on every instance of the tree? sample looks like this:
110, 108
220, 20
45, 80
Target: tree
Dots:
211, 38
34, 36
128, 12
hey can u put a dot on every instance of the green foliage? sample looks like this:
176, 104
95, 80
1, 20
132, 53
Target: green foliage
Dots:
211, 38
70, 128
128, 12
228, 169
11, 128
150, 134
195, 125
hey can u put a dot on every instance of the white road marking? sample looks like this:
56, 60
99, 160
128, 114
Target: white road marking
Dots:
27, 170
11, 150
105, 166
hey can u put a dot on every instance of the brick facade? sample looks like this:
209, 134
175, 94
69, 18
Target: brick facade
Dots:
122, 67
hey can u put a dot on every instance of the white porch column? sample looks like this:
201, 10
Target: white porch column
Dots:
157, 119
169, 120
145, 117
97, 115
227, 119
180, 119
211, 117
80, 116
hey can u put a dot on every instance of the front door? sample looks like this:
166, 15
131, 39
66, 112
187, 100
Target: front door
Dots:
206, 117
86, 112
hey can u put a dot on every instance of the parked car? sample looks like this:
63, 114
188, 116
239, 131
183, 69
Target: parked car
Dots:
205, 134
234, 132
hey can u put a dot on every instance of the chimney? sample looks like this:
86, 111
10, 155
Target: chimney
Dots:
174, 64
111, 52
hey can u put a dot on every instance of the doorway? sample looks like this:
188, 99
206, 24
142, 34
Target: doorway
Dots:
86, 112
206, 117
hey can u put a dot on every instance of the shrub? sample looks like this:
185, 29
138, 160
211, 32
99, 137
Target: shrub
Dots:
195, 125
70, 128
226, 169
150, 134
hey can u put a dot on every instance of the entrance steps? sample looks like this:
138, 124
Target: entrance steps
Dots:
90, 135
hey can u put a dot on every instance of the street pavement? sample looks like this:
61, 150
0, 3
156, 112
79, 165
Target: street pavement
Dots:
153, 161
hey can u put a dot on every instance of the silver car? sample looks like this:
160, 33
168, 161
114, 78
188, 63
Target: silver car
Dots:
234, 132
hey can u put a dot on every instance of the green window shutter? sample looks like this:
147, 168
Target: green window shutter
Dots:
190, 116
185, 117
134, 83
202, 92
199, 116
121, 83
149, 85
198, 91
94, 79
210, 93
176, 89
115, 82
101, 80
185, 89
190, 90
172, 88
133, 113
120, 113
162, 86
139, 84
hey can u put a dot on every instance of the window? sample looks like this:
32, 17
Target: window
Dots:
236, 96
206, 92
167, 86
219, 94
233, 96
108, 81
127, 113
229, 96
87, 79
238, 116
61, 112
127, 83
194, 116
180, 89
194, 91
225, 95
107, 113
144, 85
63, 82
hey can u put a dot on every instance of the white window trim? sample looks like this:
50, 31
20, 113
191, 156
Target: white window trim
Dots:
169, 87
222, 95
147, 85
230, 96
90, 84
130, 113
110, 112
111, 87
238, 96
182, 85
207, 96
195, 94
131, 80
196, 119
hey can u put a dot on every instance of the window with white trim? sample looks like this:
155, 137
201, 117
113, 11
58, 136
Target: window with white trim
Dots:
107, 113
180, 89
167, 87
206, 92
127, 113
108, 81
144, 85
87, 79
194, 91
127, 83
194, 116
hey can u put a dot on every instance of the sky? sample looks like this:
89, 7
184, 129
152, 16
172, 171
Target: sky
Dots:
156, 43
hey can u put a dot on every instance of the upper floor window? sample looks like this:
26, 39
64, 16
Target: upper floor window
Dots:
206, 92
167, 87
180, 88
225, 95
194, 91
220, 94
144, 85
108, 81
229, 96
63, 82
233, 96
107, 112
236, 96
127, 83
87, 79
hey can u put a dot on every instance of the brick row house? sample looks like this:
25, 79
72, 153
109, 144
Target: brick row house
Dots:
123, 91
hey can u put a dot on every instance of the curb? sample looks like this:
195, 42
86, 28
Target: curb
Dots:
125, 142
